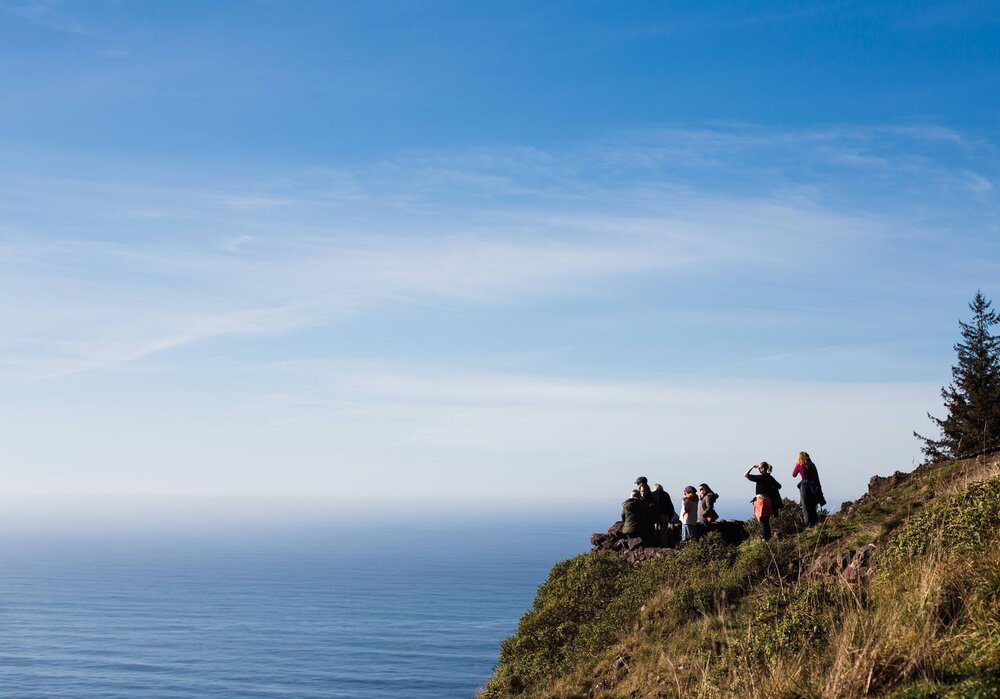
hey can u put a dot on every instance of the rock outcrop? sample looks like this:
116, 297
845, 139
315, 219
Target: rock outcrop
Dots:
733, 532
851, 566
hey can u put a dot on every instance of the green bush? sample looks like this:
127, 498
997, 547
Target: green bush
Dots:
789, 619
986, 687
964, 523
574, 593
582, 608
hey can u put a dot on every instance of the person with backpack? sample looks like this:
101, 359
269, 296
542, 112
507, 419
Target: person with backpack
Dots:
689, 513
810, 489
706, 507
767, 501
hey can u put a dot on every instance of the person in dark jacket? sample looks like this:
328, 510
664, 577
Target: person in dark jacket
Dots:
646, 495
636, 518
663, 514
810, 489
767, 501
706, 506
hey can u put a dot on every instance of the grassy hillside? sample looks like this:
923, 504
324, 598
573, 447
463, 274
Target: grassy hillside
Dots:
898, 595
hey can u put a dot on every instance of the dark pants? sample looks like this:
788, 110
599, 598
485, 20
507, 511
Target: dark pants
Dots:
765, 528
663, 532
807, 496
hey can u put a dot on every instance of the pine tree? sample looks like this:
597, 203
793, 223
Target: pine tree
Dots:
973, 397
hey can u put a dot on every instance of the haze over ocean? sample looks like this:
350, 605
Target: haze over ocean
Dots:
415, 608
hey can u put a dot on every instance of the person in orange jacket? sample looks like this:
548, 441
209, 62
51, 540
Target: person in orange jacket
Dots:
767, 500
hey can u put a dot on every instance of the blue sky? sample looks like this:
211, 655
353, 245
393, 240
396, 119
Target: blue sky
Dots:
298, 249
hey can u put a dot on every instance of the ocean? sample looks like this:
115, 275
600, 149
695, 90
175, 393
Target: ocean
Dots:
413, 609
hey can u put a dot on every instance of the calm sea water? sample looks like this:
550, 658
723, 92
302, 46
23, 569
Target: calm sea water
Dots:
412, 610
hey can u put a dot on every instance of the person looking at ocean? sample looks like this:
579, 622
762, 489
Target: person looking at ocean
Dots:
810, 489
767, 500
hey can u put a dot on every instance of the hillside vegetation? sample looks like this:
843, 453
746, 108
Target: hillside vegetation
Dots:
897, 595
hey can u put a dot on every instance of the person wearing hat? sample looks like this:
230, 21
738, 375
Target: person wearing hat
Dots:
767, 500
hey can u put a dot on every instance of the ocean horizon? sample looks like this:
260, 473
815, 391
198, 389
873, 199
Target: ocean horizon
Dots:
415, 607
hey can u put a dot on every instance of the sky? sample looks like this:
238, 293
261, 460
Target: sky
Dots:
513, 252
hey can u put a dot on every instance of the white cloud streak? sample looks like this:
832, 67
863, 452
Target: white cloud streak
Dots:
332, 429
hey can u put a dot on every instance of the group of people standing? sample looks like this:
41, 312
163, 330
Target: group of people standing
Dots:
649, 512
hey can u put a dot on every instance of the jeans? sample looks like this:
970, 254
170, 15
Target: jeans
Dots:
807, 497
765, 528
687, 531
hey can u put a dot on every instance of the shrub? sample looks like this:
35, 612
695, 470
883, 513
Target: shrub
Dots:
959, 524
582, 608
574, 593
791, 619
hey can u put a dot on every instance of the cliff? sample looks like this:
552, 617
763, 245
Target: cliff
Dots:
897, 595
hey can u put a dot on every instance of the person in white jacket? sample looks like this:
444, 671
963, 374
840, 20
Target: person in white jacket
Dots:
689, 513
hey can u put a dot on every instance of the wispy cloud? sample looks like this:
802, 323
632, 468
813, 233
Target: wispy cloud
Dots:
106, 271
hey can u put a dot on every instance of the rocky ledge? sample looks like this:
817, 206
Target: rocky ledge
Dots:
732, 532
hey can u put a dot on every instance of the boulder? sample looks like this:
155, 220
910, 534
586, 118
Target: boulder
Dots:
825, 565
850, 566
861, 566
606, 541
732, 531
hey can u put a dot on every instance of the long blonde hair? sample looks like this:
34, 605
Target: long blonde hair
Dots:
808, 468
